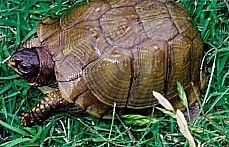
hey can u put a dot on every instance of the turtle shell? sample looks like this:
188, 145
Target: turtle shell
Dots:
115, 51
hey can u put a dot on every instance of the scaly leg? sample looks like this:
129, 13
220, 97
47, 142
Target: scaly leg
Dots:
51, 104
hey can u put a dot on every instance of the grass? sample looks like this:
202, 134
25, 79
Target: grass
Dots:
18, 20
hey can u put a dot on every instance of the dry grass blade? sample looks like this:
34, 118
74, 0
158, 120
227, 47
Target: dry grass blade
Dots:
182, 123
163, 101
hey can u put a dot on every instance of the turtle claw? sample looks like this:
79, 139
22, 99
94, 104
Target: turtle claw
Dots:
25, 121
23, 117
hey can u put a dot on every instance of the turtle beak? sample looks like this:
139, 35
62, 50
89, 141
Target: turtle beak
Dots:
12, 64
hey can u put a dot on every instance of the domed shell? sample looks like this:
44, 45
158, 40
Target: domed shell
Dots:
119, 52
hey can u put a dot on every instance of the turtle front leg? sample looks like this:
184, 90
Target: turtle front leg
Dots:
50, 105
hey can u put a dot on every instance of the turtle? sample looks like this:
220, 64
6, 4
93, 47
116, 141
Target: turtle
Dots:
105, 53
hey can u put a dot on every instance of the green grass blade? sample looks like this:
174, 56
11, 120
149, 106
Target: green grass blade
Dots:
15, 142
14, 129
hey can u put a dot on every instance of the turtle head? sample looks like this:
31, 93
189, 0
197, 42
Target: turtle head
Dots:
35, 65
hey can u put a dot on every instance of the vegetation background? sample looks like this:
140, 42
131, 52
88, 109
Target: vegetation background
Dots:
18, 20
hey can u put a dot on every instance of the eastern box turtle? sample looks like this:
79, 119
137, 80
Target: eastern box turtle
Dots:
108, 52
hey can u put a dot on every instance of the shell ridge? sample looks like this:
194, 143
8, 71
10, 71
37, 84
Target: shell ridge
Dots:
168, 69
131, 77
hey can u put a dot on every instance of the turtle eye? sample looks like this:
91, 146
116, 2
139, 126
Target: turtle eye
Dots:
24, 68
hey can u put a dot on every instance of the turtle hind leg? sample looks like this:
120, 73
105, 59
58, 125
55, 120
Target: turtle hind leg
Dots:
50, 105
